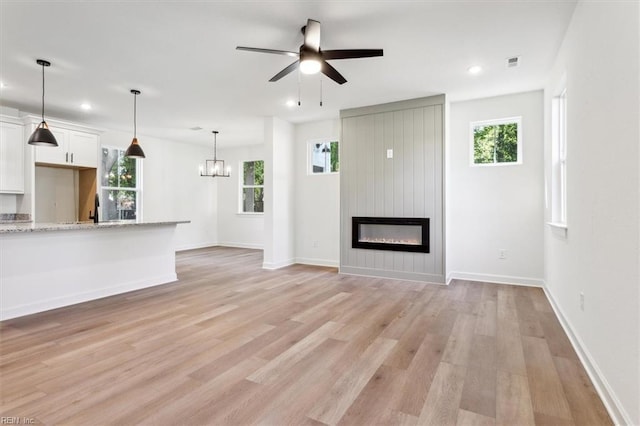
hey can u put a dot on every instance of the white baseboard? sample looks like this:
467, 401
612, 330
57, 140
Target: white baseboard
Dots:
495, 279
317, 262
278, 265
607, 395
242, 245
60, 302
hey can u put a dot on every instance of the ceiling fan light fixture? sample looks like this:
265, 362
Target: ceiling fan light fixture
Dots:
310, 66
312, 59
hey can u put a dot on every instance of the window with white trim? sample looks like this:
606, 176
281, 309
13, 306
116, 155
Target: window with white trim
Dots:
559, 158
252, 187
324, 157
121, 182
496, 142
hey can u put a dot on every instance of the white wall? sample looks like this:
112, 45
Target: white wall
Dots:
599, 256
317, 200
236, 229
173, 188
491, 208
279, 215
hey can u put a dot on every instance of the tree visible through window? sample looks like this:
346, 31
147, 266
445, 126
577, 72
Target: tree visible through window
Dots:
252, 195
497, 141
119, 199
324, 157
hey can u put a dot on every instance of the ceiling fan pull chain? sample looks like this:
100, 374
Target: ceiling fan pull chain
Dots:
321, 90
298, 87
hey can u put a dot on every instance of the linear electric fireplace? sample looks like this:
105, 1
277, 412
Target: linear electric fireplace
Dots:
390, 233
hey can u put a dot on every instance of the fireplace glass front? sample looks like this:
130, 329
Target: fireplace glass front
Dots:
386, 233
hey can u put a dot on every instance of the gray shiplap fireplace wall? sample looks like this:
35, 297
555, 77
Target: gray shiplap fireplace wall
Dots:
408, 185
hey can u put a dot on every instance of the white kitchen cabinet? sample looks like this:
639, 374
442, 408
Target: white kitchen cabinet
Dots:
75, 149
11, 158
83, 149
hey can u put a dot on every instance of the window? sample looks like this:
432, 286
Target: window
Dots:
120, 198
496, 142
324, 157
252, 188
559, 159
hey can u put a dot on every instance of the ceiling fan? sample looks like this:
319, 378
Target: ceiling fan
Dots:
312, 59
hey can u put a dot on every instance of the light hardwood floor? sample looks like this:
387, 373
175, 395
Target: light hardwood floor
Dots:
232, 344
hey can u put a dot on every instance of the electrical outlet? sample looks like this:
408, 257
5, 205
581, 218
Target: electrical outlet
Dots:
502, 254
389, 153
581, 301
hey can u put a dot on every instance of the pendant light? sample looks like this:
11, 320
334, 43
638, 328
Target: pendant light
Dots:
42, 136
215, 167
134, 150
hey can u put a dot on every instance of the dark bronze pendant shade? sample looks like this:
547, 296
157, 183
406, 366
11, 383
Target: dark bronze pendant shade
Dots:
42, 136
134, 150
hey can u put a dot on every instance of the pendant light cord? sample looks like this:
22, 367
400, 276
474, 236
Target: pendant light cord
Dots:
298, 86
135, 95
215, 143
43, 92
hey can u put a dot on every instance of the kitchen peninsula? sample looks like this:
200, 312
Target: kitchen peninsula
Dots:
46, 266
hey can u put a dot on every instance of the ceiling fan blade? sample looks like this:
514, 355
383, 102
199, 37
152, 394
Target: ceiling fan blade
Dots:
332, 73
277, 52
285, 71
350, 53
312, 35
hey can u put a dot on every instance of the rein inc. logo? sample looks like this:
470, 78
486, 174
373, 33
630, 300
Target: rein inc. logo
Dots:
5, 420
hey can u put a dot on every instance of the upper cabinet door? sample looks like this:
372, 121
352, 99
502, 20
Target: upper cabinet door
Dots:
75, 149
83, 149
11, 158
54, 155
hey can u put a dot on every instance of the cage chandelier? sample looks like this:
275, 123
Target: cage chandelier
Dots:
215, 167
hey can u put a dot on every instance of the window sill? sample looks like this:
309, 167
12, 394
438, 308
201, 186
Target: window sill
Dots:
250, 214
323, 174
559, 229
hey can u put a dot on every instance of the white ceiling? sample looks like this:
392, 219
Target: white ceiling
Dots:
181, 55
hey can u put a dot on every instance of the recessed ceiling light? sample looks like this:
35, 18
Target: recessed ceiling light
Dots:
291, 103
86, 106
196, 128
476, 69
2, 85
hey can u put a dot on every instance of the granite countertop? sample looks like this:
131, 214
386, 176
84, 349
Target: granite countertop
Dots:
13, 227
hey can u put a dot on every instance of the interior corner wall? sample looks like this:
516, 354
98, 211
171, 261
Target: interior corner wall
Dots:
317, 200
173, 189
279, 214
236, 229
599, 257
493, 208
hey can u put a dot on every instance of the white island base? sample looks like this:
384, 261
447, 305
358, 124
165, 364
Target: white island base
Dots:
43, 268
